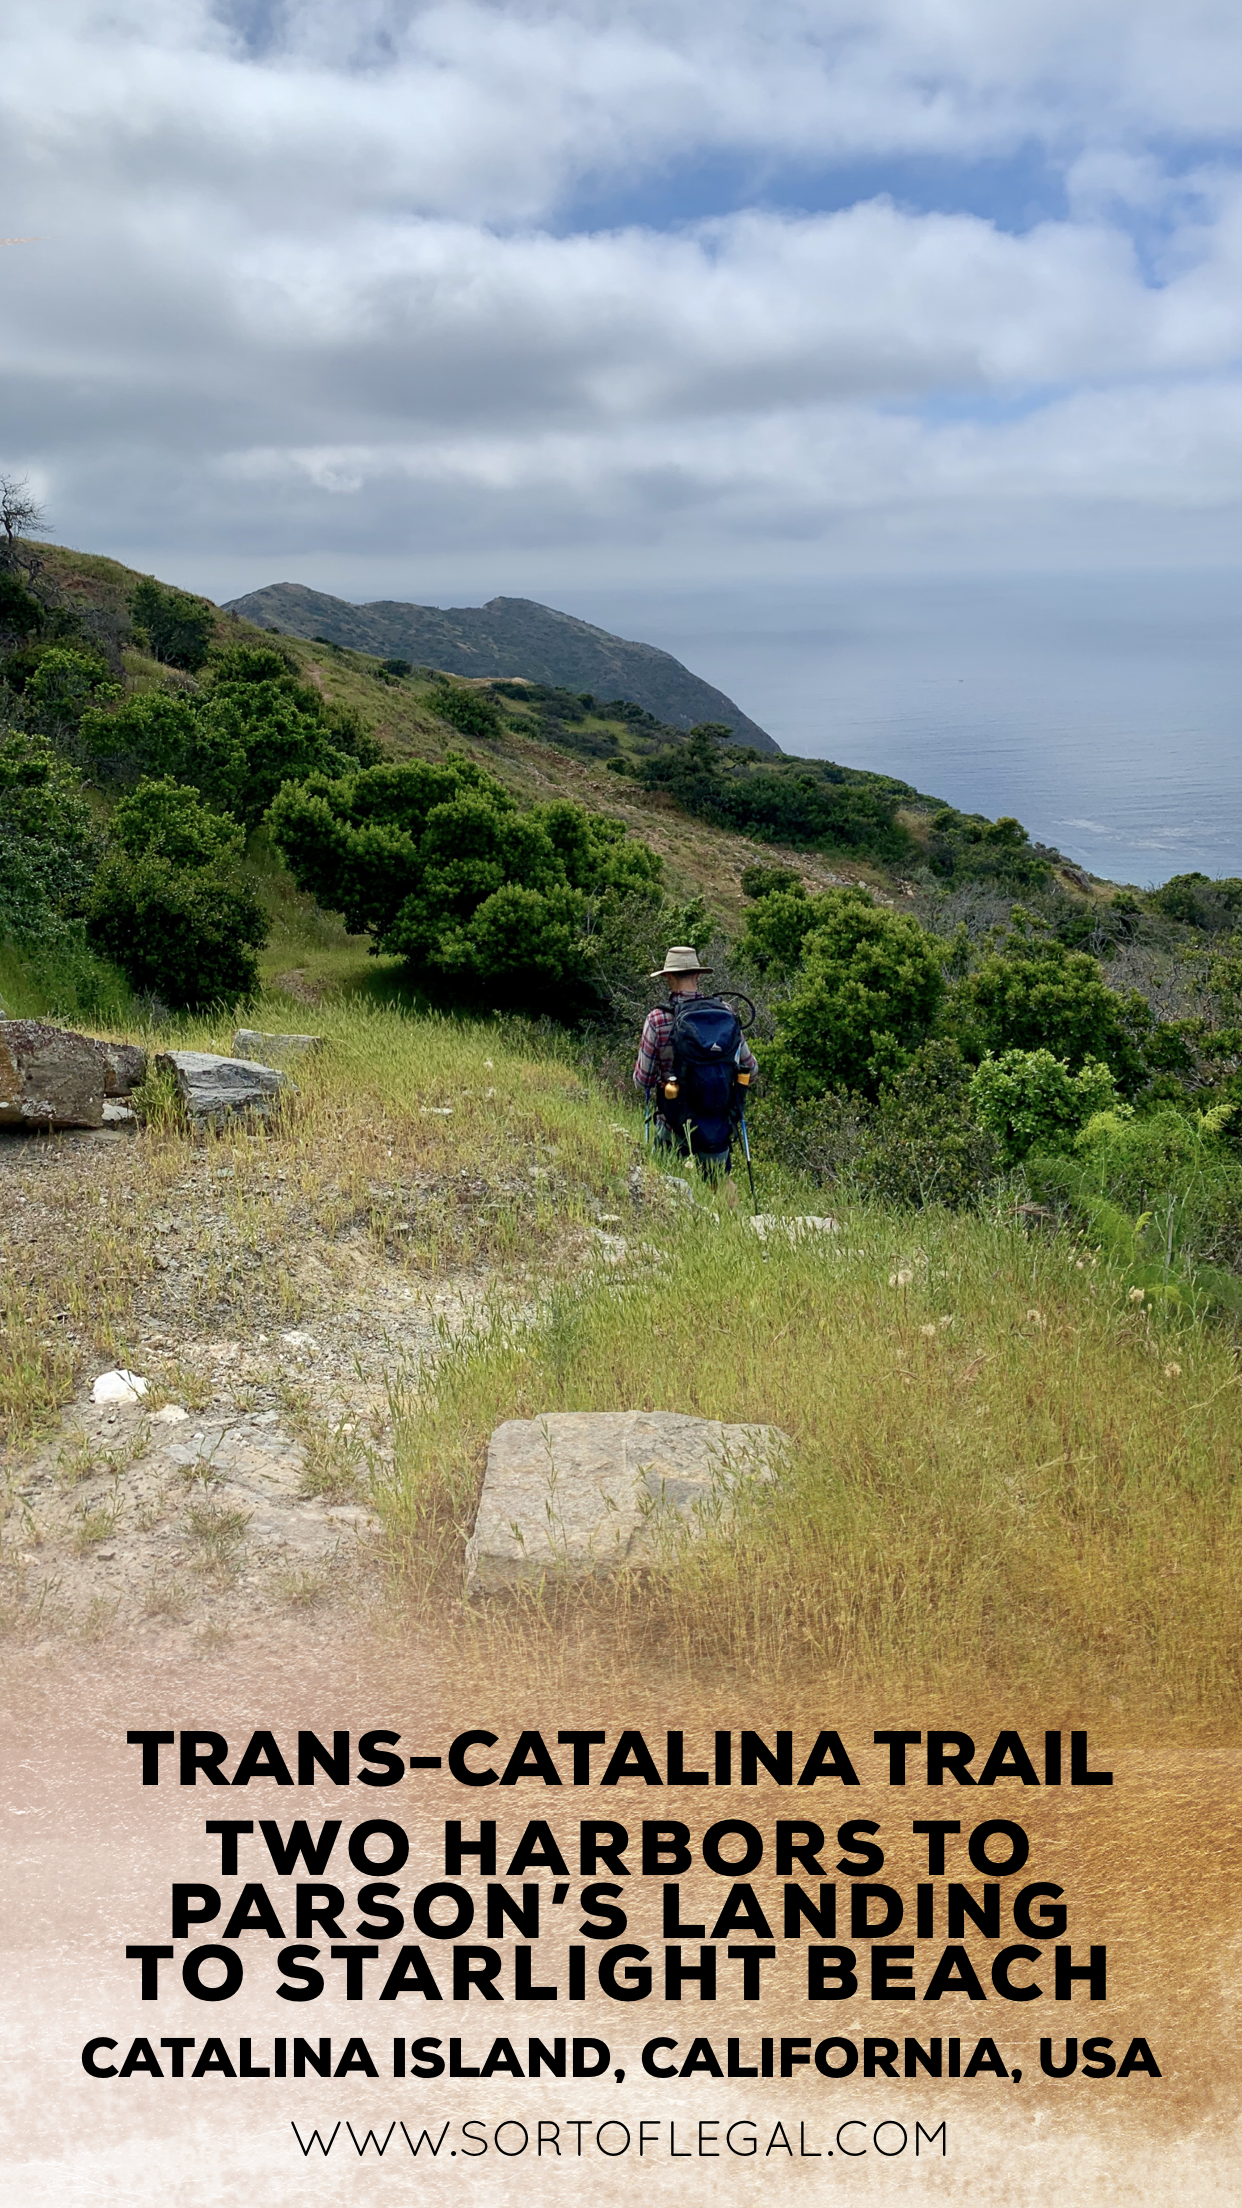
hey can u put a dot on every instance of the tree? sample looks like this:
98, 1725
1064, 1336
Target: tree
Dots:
1031, 993
251, 726
179, 628
48, 845
869, 993
167, 904
1031, 1101
438, 863
21, 515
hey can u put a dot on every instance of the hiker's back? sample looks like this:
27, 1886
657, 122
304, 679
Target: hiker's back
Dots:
706, 1040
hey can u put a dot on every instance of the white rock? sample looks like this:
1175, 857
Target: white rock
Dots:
171, 1415
299, 1341
579, 1494
211, 1087
118, 1387
797, 1229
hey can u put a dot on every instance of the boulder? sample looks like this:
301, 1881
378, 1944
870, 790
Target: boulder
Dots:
251, 1042
125, 1068
578, 1494
798, 1228
49, 1077
213, 1088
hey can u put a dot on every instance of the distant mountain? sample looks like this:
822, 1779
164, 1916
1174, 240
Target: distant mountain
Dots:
507, 636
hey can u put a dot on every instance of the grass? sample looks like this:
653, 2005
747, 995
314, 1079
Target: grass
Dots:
1008, 1475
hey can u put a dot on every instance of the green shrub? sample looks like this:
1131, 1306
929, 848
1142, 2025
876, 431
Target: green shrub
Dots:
811, 804
467, 710
767, 881
48, 845
927, 1143
166, 905
1030, 993
63, 682
178, 628
966, 847
1031, 1101
869, 993
437, 862
251, 727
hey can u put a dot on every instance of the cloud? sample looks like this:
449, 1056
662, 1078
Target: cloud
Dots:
314, 278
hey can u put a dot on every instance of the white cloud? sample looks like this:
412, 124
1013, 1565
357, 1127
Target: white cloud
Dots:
310, 281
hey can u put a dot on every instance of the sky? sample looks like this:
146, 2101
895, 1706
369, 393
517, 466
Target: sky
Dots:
586, 302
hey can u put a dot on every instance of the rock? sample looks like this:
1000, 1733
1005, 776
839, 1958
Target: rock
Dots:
252, 1043
118, 1115
211, 1087
125, 1067
118, 1387
796, 1229
49, 1077
583, 1493
171, 1415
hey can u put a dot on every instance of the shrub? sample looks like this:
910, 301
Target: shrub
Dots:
774, 931
252, 726
1030, 993
62, 683
437, 862
769, 881
869, 993
1031, 1101
965, 846
48, 846
178, 628
166, 905
807, 803
927, 1142
467, 710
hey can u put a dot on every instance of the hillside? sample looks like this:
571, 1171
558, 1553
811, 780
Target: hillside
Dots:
507, 636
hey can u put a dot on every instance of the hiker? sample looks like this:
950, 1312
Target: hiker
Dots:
688, 1063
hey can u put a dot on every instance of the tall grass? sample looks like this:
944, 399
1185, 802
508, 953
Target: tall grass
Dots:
1007, 1474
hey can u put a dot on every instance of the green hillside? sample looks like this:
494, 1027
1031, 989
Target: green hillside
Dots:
507, 636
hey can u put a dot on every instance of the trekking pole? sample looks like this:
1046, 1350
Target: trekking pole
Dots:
749, 1167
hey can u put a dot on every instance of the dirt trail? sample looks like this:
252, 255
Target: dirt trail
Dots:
231, 1502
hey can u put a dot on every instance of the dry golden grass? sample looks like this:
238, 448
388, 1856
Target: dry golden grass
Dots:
1008, 1477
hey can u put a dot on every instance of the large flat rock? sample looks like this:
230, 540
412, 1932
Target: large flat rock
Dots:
253, 1043
582, 1493
211, 1087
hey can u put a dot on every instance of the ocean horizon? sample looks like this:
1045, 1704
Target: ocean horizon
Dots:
1105, 712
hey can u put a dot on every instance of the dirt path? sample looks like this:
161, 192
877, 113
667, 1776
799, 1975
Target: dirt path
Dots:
231, 1502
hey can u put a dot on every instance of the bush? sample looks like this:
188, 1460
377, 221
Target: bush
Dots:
966, 847
927, 1143
62, 683
48, 846
252, 726
178, 628
166, 905
809, 803
439, 865
467, 710
769, 881
869, 993
1030, 993
1031, 1101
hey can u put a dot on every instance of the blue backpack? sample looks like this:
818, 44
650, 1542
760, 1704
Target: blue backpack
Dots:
707, 1037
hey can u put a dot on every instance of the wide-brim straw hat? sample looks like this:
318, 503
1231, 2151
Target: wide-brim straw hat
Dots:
679, 960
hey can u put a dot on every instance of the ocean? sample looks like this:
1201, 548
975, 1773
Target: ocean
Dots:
1104, 711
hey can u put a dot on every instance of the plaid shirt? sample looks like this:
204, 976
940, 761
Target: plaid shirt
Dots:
655, 1051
